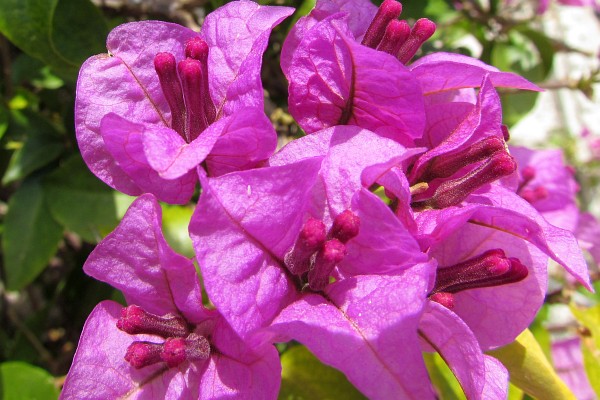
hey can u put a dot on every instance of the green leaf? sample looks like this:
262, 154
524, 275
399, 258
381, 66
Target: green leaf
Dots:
42, 144
81, 202
544, 47
530, 370
62, 33
590, 318
303, 376
20, 381
4, 117
31, 235
442, 377
176, 220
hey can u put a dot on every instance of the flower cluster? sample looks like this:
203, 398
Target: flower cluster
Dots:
402, 222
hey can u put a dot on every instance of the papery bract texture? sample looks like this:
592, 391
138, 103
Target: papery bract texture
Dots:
137, 149
256, 217
136, 259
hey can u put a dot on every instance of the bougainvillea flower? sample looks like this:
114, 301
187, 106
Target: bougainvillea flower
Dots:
165, 344
341, 71
165, 99
548, 184
306, 246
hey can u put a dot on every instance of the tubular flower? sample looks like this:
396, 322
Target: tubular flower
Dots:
166, 99
345, 63
165, 344
323, 268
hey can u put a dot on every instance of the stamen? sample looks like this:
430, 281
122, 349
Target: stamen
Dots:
198, 50
451, 193
312, 237
165, 66
345, 226
177, 350
141, 354
135, 320
395, 35
421, 31
388, 11
446, 165
491, 268
332, 253
190, 73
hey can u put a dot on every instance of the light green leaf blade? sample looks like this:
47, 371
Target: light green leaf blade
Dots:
62, 33
22, 381
590, 319
176, 220
80, 201
304, 377
530, 370
31, 235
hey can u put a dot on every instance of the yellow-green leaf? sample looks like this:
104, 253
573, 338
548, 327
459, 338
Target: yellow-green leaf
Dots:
304, 377
530, 370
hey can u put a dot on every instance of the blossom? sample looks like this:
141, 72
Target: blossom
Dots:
165, 344
549, 185
166, 99
340, 71
314, 256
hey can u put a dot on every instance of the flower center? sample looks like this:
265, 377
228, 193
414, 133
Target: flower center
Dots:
185, 87
316, 251
526, 191
486, 161
491, 268
386, 33
180, 344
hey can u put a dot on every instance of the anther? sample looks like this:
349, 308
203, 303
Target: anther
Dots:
135, 320
395, 35
345, 226
166, 69
332, 253
190, 73
388, 11
422, 30
312, 237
